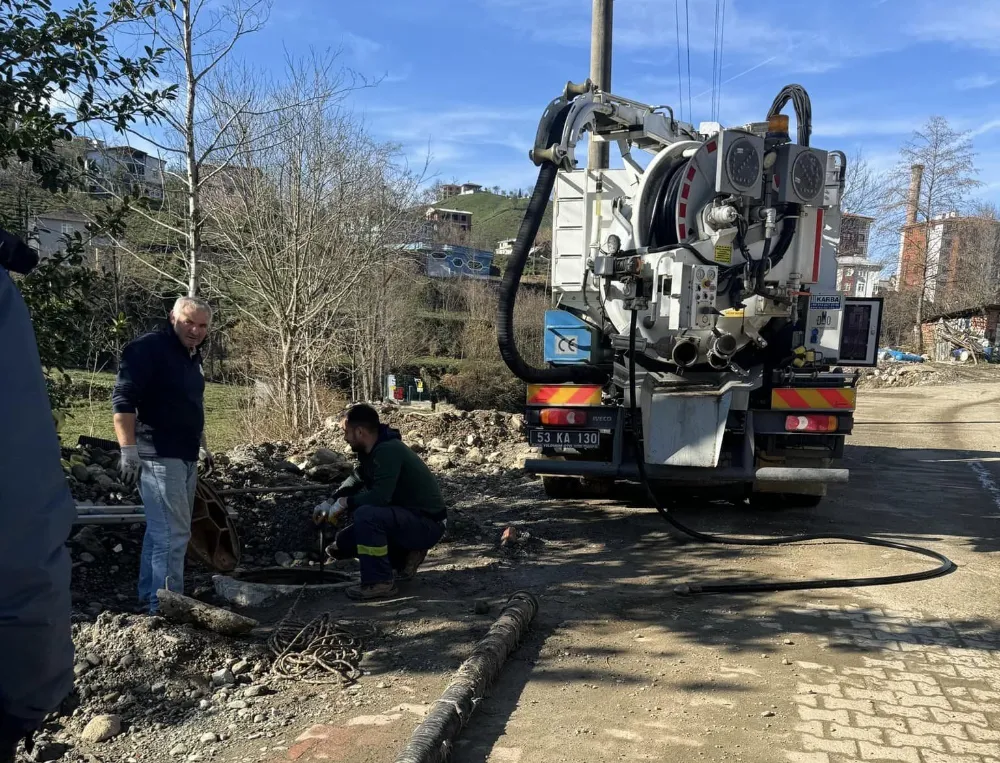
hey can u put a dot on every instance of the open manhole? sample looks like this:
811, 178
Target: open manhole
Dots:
255, 588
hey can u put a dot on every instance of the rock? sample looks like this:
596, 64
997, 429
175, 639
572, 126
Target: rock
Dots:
204, 704
288, 466
789, 642
767, 714
454, 449
473, 440
126, 661
282, 559
178, 750
256, 691
324, 456
80, 473
101, 728
183, 609
223, 677
300, 556
475, 456
482, 607
238, 704
209, 737
325, 473
47, 751
240, 667
494, 457
88, 540
117, 549
81, 668
786, 661
437, 444
87, 558
439, 461
92, 658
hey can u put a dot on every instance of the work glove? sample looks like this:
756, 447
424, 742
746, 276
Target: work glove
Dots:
329, 513
206, 461
129, 465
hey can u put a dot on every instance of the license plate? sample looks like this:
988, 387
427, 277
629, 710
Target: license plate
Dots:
565, 438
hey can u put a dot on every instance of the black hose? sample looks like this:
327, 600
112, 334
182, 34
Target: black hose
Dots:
803, 109
582, 374
946, 565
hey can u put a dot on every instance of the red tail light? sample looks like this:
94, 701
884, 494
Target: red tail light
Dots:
811, 423
563, 417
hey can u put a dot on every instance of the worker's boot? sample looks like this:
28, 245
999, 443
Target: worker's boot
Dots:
372, 591
413, 561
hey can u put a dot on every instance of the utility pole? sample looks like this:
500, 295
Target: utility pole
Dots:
600, 71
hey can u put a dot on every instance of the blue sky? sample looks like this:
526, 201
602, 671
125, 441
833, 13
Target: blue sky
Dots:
467, 81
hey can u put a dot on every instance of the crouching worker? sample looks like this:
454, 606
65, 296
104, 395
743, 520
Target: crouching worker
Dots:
394, 504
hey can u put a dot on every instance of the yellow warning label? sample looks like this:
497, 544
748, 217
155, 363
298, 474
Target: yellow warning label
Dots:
732, 312
724, 254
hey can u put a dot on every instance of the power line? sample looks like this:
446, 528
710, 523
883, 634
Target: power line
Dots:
680, 87
722, 49
715, 60
687, 32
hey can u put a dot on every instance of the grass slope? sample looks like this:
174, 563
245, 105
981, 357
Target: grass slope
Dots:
494, 217
91, 413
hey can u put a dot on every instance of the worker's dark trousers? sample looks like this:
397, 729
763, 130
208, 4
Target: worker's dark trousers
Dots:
381, 536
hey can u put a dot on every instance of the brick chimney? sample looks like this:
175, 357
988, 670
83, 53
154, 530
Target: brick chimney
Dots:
913, 198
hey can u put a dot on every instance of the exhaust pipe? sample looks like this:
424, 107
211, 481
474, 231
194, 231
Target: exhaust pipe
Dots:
685, 353
718, 362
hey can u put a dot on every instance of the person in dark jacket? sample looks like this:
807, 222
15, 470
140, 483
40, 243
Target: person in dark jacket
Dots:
159, 417
36, 515
395, 503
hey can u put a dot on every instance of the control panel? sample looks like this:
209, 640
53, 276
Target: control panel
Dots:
824, 320
690, 302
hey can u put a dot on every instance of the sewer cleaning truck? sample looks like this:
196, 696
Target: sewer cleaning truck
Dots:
697, 338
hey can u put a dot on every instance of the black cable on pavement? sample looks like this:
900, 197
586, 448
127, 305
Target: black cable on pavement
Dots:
945, 567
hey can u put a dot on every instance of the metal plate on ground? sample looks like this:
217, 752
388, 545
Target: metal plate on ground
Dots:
564, 438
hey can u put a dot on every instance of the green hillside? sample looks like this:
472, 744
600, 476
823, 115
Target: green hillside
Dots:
495, 218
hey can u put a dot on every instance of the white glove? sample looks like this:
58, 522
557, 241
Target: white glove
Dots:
327, 512
129, 464
206, 461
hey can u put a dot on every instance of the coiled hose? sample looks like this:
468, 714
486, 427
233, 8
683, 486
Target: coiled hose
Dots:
945, 567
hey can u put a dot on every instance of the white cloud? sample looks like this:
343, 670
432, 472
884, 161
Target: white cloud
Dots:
972, 23
361, 48
976, 82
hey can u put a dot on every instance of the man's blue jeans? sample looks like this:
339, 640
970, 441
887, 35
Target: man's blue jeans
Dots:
167, 488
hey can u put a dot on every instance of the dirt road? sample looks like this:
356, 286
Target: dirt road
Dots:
617, 667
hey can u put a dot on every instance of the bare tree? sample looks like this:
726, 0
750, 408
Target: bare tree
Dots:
946, 178
198, 38
305, 221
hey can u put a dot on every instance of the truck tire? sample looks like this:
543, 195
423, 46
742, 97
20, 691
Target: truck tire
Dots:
561, 487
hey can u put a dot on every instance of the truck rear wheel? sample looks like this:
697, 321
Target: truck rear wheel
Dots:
561, 487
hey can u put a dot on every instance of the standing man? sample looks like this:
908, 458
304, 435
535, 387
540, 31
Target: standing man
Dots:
397, 507
159, 411
36, 514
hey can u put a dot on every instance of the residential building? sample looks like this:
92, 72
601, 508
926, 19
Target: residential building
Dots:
931, 252
447, 226
447, 190
857, 276
468, 188
50, 232
449, 261
125, 170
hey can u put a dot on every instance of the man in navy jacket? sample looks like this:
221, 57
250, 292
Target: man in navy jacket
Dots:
36, 515
159, 417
